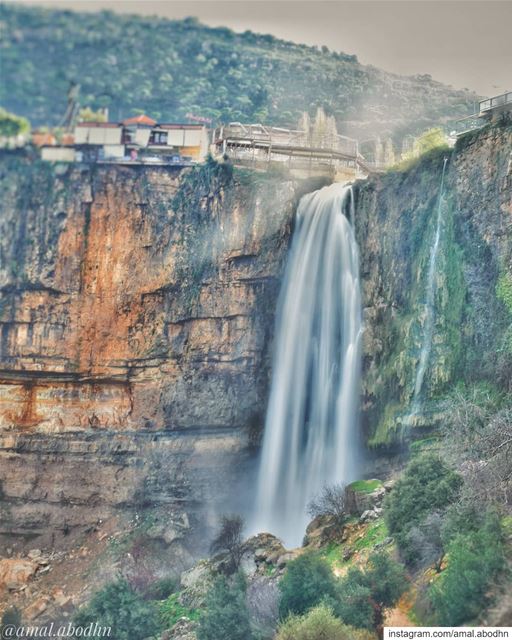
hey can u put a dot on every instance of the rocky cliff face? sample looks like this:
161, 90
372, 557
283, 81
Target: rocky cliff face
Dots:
136, 314
396, 217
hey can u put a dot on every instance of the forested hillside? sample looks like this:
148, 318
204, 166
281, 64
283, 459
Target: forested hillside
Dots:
168, 68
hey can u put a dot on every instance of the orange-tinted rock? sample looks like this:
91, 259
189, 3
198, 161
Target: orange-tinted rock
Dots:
16, 573
136, 317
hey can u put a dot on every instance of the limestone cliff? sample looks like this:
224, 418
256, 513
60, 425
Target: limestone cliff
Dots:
136, 314
396, 217
137, 311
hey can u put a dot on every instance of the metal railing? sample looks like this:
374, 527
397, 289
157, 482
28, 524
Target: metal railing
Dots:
496, 101
261, 135
469, 123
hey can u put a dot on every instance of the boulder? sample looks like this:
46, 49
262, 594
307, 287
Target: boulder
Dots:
368, 516
196, 582
363, 496
184, 629
287, 557
38, 607
264, 546
259, 552
322, 530
16, 573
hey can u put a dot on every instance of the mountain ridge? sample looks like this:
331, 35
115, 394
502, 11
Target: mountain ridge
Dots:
182, 66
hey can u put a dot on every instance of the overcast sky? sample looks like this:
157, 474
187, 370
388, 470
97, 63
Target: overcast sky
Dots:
465, 43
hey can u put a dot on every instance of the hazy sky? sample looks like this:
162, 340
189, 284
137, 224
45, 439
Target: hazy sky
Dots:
465, 43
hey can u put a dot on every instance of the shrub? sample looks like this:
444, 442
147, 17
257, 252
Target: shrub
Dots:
504, 290
171, 610
329, 502
12, 125
11, 618
161, 589
119, 607
226, 614
319, 623
229, 538
363, 595
474, 559
308, 580
426, 540
434, 138
478, 435
426, 485
354, 606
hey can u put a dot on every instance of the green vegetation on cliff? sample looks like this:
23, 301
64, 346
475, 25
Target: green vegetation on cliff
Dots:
171, 67
426, 486
319, 622
119, 607
12, 125
474, 559
472, 329
226, 614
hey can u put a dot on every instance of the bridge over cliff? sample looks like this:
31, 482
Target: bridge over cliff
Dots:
261, 146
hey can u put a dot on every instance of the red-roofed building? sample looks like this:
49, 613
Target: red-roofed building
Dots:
140, 120
142, 138
134, 140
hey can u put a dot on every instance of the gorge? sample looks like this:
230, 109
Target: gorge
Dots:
137, 318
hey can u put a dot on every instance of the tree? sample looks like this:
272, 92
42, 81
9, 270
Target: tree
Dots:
478, 435
363, 595
308, 580
329, 502
474, 559
434, 138
230, 539
119, 607
354, 604
319, 622
11, 618
426, 540
427, 484
226, 614
12, 125
89, 115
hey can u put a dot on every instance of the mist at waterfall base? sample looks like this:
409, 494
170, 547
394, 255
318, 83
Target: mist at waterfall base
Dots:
311, 430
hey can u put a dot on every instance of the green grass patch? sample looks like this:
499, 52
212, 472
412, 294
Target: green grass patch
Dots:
333, 554
376, 532
365, 486
171, 610
506, 523
426, 444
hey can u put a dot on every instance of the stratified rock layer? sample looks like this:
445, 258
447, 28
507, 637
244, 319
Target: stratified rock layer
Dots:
136, 315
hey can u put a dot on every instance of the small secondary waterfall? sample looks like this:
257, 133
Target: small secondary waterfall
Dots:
310, 437
428, 334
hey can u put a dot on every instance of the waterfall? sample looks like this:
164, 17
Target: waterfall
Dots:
428, 333
310, 437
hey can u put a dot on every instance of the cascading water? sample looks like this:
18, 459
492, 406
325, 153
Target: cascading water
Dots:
428, 332
310, 437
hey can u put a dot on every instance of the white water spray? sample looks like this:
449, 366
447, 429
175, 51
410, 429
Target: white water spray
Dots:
428, 333
310, 437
